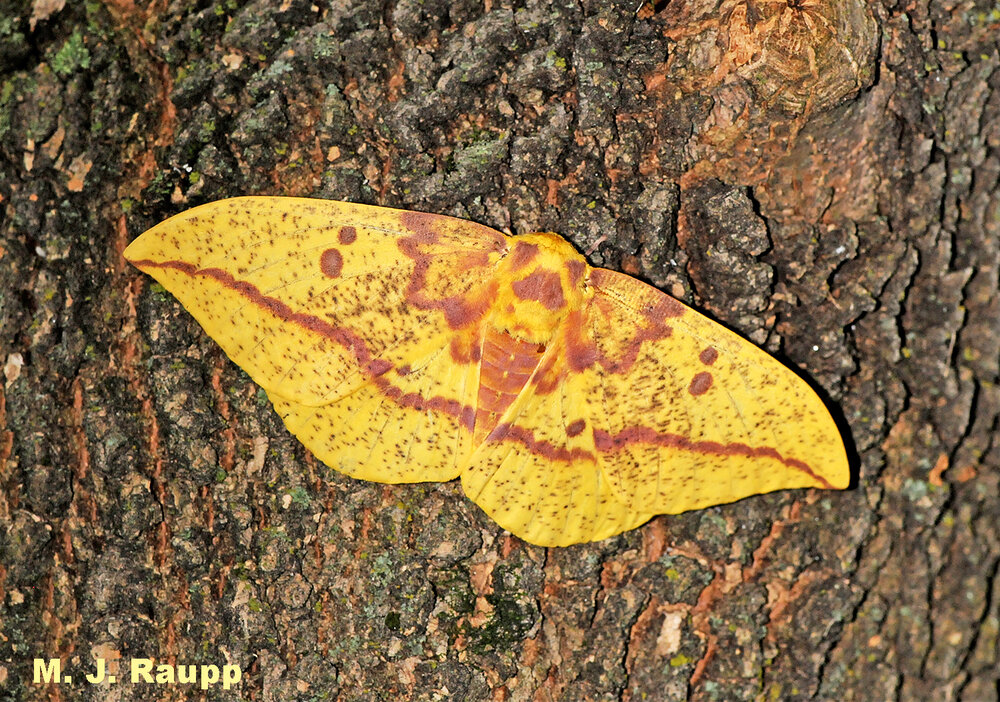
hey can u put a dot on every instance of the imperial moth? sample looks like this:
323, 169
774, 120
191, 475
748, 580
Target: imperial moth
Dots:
573, 402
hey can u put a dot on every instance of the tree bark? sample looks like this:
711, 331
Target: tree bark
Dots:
820, 175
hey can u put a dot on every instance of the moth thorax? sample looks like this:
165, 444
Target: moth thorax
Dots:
542, 280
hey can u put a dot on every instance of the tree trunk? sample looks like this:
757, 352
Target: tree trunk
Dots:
819, 175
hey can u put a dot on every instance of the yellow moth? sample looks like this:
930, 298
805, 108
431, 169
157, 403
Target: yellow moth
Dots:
573, 402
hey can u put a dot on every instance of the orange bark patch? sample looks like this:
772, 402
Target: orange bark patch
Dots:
934, 478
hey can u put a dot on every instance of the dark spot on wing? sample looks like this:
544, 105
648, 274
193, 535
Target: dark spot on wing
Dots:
331, 263
700, 384
347, 235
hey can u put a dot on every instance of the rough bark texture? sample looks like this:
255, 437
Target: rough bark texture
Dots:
820, 175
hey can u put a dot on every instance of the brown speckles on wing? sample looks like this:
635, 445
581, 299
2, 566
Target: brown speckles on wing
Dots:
672, 435
399, 429
344, 313
537, 474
